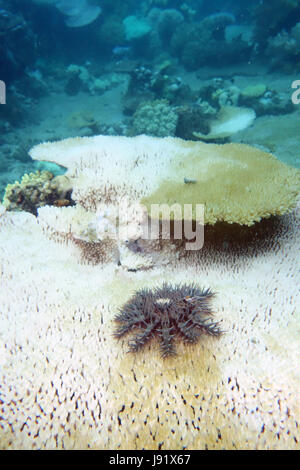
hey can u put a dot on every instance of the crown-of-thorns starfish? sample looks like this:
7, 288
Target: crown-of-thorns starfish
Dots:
167, 312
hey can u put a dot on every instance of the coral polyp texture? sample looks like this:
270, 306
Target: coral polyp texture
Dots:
167, 312
37, 190
235, 182
66, 382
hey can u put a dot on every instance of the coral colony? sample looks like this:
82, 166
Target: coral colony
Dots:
167, 312
149, 158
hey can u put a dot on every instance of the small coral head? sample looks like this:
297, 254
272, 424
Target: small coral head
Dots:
167, 312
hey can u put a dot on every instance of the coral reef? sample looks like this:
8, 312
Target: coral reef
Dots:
113, 238
203, 43
229, 120
141, 82
284, 48
237, 183
107, 235
254, 91
36, 190
167, 23
67, 384
194, 118
278, 13
135, 28
228, 96
77, 15
269, 103
18, 48
155, 118
150, 84
80, 78
110, 33
262, 99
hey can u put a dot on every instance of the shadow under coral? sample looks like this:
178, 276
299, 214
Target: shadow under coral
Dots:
223, 239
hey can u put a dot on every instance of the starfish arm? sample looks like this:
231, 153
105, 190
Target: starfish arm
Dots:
189, 332
124, 329
141, 339
208, 327
166, 342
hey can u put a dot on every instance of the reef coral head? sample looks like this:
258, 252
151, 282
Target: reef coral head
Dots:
235, 182
167, 312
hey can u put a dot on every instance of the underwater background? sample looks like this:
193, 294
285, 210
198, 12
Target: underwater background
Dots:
155, 67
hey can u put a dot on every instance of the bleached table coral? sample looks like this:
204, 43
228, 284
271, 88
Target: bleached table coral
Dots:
67, 383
